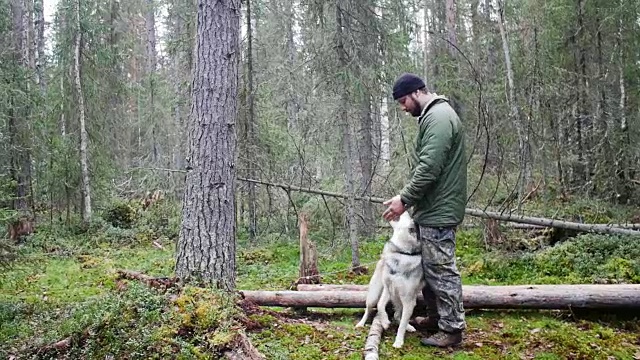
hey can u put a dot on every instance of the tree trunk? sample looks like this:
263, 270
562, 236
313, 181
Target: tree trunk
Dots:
624, 163
474, 297
207, 245
366, 164
292, 100
19, 144
151, 64
603, 155
251, 132
385, 137
84, 139
451, 27
521, 127
30, 36
623, 94
382, 118
578, 178
347, 141
178, 122
40, 56
426, 38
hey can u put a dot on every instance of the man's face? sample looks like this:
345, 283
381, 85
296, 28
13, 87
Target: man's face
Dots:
409, 103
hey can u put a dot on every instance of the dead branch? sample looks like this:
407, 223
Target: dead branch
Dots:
373, 340
242, 349
160, 283
629, 229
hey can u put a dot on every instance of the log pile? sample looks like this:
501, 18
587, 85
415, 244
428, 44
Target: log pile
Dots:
563, 297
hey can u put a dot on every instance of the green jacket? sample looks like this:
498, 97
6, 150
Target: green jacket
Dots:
437, 189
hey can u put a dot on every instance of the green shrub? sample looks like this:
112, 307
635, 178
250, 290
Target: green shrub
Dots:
121, 215
588, 258
163, 218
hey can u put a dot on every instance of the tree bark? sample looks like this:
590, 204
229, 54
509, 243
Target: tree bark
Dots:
474, 297
425, 41
40, 56
625, 162
578, 178
451, 27
151, 65
623, 93
347, 145
292, 100
19, 145
603, 150
207, 245
84, 139
366, 163
385, 135
251, 131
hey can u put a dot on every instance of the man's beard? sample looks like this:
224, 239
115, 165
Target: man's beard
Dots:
417, 111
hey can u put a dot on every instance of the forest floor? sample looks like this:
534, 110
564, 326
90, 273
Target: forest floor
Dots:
65, 299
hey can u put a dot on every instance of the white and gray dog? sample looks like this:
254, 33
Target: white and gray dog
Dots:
398, 277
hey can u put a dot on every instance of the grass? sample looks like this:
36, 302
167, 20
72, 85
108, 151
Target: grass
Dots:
66, 286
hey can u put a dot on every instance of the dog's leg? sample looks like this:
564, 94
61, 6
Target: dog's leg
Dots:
382, 311
407, 310
373, 294
398, 318
365, 317
397, 305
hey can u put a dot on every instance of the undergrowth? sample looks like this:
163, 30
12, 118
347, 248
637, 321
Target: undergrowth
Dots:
65, 287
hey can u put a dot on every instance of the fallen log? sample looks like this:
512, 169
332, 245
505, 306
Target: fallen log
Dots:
628, 229
526, 226
593, 228
501, 288
373, 340
474, 296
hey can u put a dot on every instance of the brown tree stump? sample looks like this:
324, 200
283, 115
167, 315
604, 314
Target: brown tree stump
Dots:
308, 273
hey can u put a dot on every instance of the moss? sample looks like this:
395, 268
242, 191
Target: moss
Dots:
262, 319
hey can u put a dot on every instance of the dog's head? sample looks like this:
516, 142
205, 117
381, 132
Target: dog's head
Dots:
403, 231
404, 222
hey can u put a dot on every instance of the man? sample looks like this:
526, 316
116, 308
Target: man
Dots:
437, 192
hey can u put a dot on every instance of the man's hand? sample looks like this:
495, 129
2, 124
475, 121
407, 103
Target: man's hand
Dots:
395, 209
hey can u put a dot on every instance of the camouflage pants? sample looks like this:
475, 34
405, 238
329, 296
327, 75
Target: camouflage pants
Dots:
443, 292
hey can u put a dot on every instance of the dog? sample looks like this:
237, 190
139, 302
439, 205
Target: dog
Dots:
398, 277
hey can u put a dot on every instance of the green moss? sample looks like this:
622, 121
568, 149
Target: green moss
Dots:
262, 320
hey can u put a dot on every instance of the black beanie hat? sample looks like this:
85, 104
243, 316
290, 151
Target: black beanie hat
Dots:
406, 84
